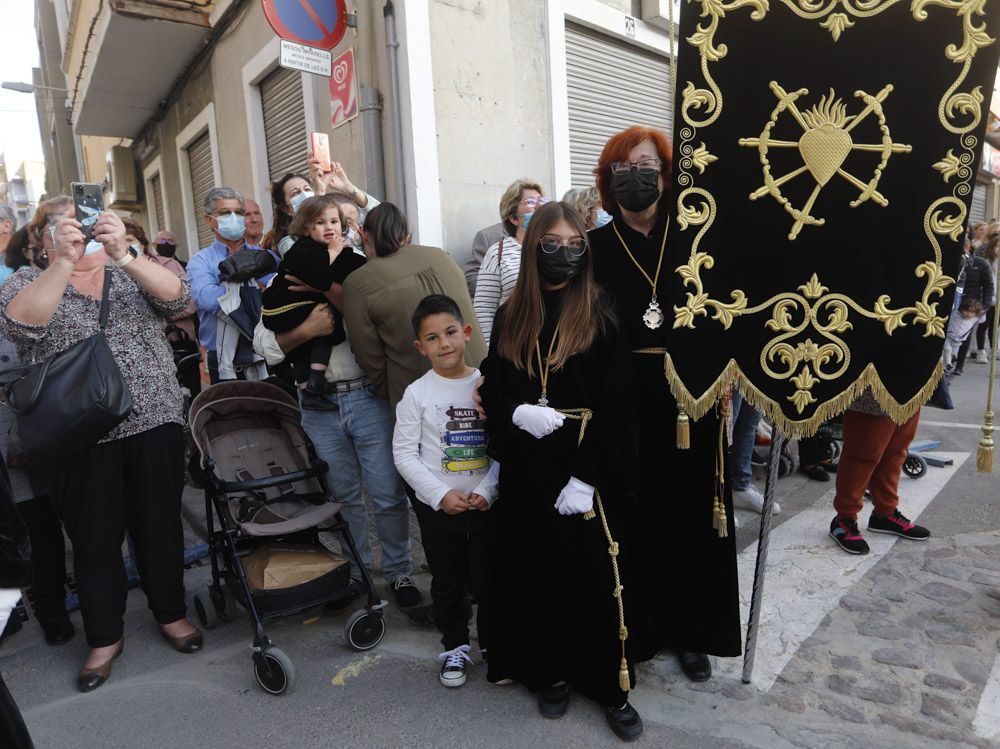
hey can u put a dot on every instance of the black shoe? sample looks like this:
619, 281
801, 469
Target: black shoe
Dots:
845, 532
695, 665
90, 679
554, 700
624, 721
406, 592
815, 472
14, 625
317, 402
898, 525
58, 631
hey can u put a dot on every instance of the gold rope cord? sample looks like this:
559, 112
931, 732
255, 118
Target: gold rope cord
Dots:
984, 456
584, 415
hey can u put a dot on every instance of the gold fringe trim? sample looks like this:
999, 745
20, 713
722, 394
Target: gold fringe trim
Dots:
695, 408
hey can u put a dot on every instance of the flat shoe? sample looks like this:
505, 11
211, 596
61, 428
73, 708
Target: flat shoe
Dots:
624, 721
695, 665
90, 679
190, 644
554, 700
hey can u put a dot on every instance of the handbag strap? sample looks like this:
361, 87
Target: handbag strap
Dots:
499, 252
106, 298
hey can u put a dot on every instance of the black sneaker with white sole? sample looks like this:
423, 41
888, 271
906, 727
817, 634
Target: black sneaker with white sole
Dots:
406, 592
845, 532
898, 525
453, 665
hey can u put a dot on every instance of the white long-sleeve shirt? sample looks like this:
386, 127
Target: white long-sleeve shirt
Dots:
496, 280
439, 443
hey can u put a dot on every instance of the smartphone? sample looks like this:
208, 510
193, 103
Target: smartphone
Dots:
88, 200
321, 150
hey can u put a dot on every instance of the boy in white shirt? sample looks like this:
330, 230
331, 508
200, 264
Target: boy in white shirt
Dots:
439, 447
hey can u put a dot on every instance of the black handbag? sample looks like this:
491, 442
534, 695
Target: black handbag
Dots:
65, 404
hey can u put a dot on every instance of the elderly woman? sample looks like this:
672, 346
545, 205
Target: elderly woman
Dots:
587, 201
133, 477
502, 261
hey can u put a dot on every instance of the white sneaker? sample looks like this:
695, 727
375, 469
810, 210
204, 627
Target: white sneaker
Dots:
453, 665
981, 357
751, 499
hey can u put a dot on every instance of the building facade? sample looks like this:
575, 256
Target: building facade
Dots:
191, 94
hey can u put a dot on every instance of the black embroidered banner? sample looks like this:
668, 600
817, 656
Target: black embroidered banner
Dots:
825, 156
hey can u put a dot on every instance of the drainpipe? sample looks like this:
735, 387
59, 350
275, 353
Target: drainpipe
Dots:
371, 126
392, 44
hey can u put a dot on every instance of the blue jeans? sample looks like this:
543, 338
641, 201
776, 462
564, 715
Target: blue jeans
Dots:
745, 419
356, 442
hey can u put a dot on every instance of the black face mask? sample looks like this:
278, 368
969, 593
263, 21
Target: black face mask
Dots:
559, 266
636, 191
166, 250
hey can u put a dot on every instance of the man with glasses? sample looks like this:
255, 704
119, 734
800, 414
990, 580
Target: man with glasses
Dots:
225, 213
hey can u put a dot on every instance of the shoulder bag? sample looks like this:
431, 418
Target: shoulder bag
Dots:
65, 404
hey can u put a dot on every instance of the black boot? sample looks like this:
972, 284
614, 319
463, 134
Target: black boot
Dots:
624, 721
314, 396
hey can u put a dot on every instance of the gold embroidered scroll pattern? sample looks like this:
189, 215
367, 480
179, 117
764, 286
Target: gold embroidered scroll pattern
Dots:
837, 23
824, 146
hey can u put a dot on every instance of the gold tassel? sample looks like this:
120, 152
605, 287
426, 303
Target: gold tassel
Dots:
715, 512
984, 456
723, 524
683, 431
623, 680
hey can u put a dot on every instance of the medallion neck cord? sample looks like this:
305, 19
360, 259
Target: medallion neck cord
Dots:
653, 316
543, 367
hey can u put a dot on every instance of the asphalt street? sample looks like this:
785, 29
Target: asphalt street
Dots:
897, 649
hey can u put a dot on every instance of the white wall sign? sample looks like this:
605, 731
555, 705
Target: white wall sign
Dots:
307, 59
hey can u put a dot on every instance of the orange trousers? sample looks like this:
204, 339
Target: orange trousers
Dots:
875, 448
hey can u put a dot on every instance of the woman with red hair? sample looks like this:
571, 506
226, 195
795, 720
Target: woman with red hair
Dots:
690, 591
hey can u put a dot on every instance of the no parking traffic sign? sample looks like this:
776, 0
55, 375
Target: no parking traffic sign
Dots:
315, 23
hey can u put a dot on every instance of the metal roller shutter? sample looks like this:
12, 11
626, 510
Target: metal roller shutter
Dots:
161, 217
202, 180
284, 123
977, 211
600, 69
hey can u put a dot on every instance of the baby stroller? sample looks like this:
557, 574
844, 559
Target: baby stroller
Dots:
264, 486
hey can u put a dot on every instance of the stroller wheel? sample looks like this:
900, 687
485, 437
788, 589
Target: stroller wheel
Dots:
226, 603
915, 466
274, 671
365, 629
204, 607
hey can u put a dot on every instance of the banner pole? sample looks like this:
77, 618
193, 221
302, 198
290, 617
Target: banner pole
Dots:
757, 596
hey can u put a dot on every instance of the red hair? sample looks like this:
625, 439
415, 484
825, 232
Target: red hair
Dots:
617, 149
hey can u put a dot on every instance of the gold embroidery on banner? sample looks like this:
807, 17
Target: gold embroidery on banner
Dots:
805, 363
824, 146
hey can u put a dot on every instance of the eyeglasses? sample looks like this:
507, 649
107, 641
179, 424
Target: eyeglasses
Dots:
535, 202
551, 244
220, 214
645, 166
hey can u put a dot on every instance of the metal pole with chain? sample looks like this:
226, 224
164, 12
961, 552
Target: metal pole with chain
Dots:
984, 456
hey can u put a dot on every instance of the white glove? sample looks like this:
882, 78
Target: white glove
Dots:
538, 421
8, 600
575, 498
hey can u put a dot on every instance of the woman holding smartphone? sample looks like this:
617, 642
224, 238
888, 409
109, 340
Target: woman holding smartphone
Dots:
133, 477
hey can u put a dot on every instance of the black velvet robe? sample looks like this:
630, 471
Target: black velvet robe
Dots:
556, 618
688, 574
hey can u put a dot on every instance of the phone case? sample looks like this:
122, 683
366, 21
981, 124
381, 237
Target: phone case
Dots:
321, 150
88, 201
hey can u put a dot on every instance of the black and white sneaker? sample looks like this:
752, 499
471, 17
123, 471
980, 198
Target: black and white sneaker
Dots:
406, 592
453, 665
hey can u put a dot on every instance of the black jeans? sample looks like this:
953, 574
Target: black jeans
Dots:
48, 559
458, 548
135, 483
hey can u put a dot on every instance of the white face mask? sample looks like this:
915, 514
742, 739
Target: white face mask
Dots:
354, 239
92, 247
299, 199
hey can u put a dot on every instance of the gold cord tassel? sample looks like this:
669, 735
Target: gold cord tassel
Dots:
623, 680
720, 522
683, 431
984, 455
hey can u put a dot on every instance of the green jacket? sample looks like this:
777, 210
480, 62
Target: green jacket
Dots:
379, 300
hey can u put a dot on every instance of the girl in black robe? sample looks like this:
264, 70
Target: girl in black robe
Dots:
558, 623
690, 599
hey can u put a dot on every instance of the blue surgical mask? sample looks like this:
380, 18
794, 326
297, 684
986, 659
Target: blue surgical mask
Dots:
525, 219
92, 247
136, 249
299, 199
603, 218
232, 226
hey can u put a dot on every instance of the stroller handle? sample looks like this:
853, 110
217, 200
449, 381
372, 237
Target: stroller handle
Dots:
319, 468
